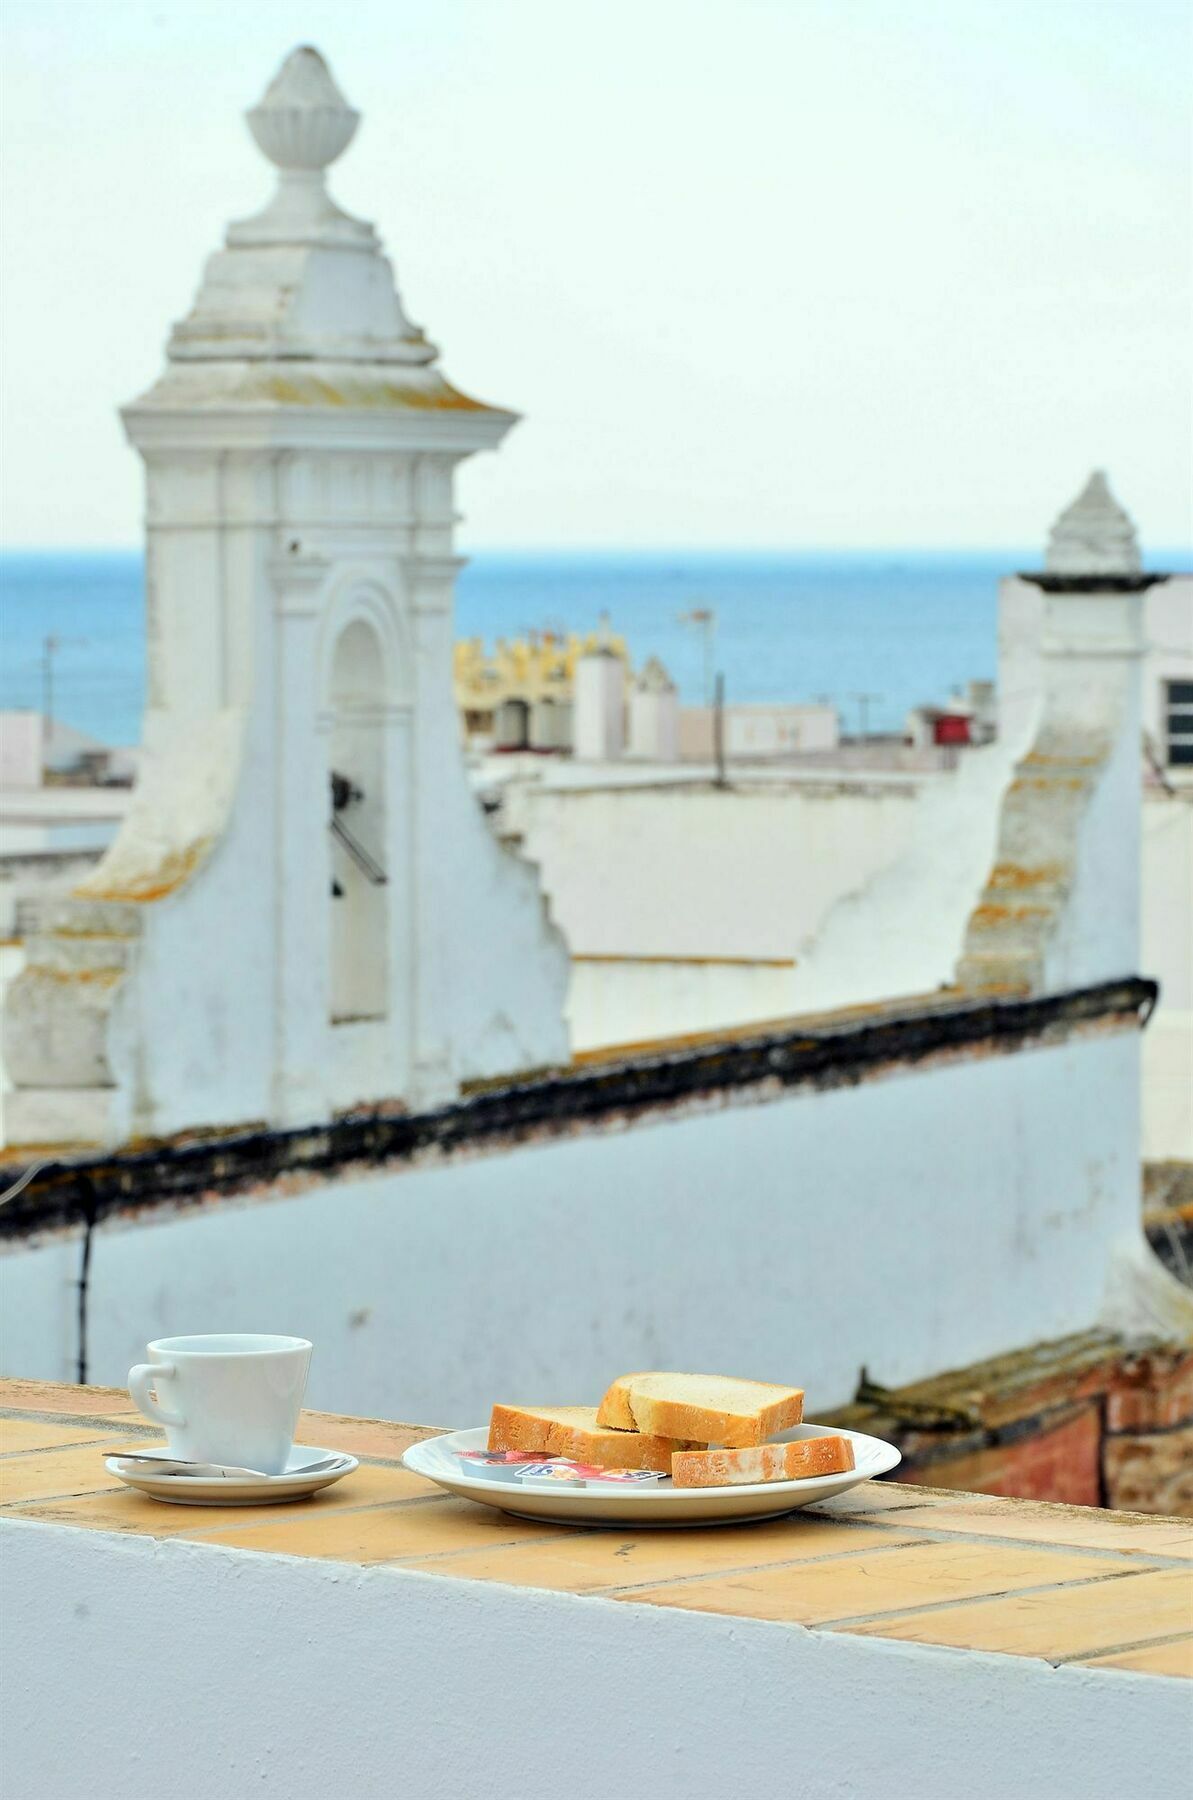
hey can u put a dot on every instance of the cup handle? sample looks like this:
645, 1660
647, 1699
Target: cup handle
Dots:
141, 1379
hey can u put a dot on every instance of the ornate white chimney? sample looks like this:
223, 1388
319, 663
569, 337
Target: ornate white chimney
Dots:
1060, 908
305, 910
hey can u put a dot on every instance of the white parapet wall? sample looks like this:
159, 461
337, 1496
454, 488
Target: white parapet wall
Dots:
632, 999
688, 869
307, 1678
912, 1217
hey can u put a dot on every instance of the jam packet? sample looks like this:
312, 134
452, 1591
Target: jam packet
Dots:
559, 1469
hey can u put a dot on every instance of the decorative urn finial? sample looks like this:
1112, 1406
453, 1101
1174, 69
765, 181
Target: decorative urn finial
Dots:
1093, 536
302, 120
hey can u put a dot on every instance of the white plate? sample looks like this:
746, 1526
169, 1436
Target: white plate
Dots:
652, 1503
210, 1490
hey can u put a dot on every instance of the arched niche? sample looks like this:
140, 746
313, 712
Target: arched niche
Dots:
359, 702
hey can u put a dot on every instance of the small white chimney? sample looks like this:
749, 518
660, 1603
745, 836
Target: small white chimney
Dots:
654, 715
600, 703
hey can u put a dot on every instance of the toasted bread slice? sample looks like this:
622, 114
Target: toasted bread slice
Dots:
829, 1455
704, 1409
614, 1409
573, 1431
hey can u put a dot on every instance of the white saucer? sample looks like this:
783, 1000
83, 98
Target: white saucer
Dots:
208, 1490
650, 1503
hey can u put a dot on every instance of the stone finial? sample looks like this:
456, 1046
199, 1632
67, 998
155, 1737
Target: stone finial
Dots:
654, 678
1093, 536
302, 120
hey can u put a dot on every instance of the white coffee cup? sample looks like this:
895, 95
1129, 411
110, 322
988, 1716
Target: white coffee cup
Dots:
231, 1397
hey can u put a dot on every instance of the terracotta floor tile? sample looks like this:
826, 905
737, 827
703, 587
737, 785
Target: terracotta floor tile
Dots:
386, 1534
1156, 1659
54, 1397
361, 1437
36, 1434
605, 1560
120, 1509
1067, 1622
874, 1497
1076, 1527
42, 1473
886, 1581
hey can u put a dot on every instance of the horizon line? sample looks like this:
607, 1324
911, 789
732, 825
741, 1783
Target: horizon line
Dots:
654, 550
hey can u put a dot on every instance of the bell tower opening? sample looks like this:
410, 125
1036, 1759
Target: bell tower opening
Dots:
356, 800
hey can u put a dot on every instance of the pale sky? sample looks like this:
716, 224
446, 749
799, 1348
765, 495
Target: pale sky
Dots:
759, 273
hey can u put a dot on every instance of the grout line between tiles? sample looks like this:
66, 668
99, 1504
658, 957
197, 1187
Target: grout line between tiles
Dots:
851, 1619
83, 1443
926, 1608
686, 1581
19, 1506
1152, 1643
764, 1568
116, 1428
1145, 1558
397, 1503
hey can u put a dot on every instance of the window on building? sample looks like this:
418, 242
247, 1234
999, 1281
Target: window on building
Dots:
1178, 722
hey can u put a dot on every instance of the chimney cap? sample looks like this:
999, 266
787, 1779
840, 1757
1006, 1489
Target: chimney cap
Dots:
1094, 535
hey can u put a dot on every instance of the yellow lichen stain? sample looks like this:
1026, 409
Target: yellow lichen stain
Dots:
1037, 759
1009, 875
99, 978
316, 390
76, 935
31, 1150
1047, 784
788, 1025
988, 916
176, 868
193, 1135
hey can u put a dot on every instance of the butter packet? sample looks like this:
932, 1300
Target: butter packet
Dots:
497, 1465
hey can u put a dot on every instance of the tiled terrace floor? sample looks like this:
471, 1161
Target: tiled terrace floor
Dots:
1066, 1584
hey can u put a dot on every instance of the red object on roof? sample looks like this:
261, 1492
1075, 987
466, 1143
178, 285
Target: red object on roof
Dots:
951, 728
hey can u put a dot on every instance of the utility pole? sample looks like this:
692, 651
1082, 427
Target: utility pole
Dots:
50, 645
718, 730
706, 618
863, 702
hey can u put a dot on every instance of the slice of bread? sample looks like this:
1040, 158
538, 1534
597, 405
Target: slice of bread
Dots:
764, 1462
704, 1409
573, 1431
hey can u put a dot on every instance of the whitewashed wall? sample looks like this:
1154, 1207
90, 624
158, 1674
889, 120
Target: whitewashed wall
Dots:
618, 1000
694, 871
382, 1681
901, 932
1167, 953
21, 749
913, 1223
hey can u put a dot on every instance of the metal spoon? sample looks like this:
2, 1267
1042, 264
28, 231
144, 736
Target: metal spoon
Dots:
172, 1465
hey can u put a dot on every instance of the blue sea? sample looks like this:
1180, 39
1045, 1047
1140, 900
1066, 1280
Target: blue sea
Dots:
899, 627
